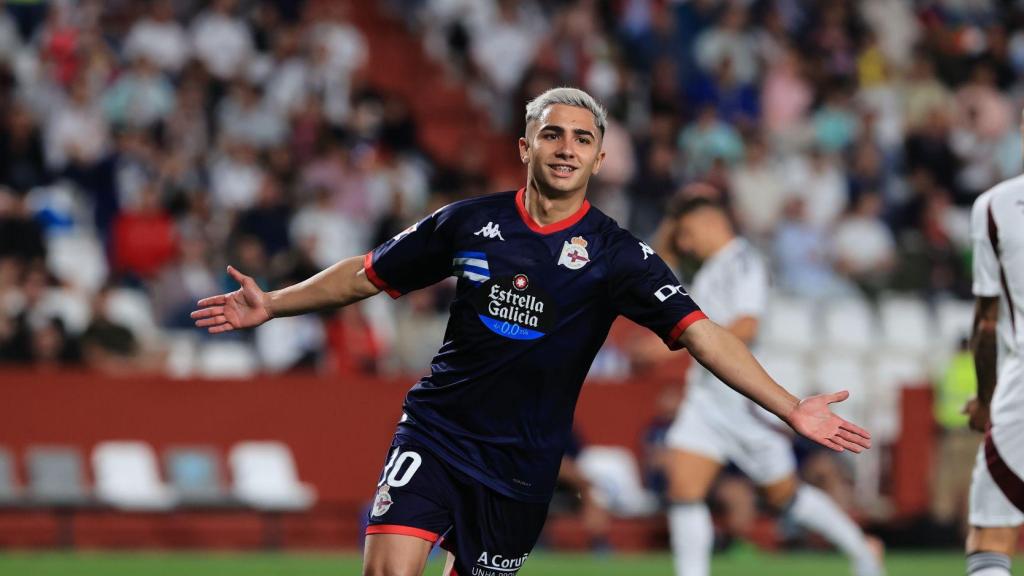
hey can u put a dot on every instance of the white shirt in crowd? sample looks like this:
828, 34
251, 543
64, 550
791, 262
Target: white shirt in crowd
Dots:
164, 43
222, 43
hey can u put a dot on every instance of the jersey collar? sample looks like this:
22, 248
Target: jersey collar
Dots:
554, 226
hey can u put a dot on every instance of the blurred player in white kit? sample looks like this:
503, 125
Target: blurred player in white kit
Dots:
997, 488
716, 425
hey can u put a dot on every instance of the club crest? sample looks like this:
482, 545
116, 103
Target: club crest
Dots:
574, 254
382, 502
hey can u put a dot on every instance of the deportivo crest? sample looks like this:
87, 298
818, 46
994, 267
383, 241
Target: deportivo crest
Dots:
520, 282
574, 254
382, 502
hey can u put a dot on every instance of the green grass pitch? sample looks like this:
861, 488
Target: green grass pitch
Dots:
541, 564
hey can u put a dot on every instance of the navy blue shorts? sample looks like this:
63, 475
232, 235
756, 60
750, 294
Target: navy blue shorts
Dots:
420, 495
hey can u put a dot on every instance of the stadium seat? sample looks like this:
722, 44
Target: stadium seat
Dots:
182, 352
195, 474
849, 325
227, 359
789, 325
77, 259
132, 309
892, 372
614, 472
127, 477
837, 371
9, 492
955, 319
71, 307
56, 476
265, 477
788, 369
906, 325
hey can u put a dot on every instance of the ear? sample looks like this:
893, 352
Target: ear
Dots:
598, 162
524, 150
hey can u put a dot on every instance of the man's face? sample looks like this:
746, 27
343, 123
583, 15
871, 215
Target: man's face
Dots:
562, 149
696, 232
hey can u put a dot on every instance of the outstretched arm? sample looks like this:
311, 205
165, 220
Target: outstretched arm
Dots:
340, 285
728, 358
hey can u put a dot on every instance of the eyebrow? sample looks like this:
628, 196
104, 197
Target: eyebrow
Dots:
560, 130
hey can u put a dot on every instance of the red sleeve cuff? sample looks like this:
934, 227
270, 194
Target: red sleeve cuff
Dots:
371, 275
673, 337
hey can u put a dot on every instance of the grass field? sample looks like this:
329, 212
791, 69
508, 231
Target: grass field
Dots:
541, 564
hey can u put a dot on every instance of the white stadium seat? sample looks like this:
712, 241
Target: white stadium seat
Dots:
614, 472
835, 371
789, 369
132, 309
789, 324
128, 477
77, 259
955, 319
227, 359
265, 477
849, 324
71, 306
906, 325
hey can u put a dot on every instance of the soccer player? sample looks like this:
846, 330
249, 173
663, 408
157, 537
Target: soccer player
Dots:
715, 424
541, 276
997, 484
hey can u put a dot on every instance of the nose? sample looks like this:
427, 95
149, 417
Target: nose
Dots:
565, 150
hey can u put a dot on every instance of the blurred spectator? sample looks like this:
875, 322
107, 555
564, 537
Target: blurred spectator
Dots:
140, 97
958, 445
730, 41
22, 157
758, 190
707, 140
106, 345
818, 180
184, 281
221, 40
802, 256
143, 237
77, 131
863, 246
158, 38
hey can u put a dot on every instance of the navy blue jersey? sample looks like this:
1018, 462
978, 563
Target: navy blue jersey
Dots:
533, 305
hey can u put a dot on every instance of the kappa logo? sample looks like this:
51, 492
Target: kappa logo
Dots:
574, 254
490, 231
646, 250
382, 502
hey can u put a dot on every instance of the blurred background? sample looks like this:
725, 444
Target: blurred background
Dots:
145, 145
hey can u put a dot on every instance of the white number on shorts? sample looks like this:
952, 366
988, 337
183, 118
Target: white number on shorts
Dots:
394, 466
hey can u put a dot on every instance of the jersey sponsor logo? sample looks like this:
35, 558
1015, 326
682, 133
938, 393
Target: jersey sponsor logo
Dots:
498, 565
490, 231
472, 266
382, 502
574, 254
667, 291
646, 250
515, 308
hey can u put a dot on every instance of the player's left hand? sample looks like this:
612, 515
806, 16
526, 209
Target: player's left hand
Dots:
978, 415
813, 419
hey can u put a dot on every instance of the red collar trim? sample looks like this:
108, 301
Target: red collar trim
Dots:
553, 227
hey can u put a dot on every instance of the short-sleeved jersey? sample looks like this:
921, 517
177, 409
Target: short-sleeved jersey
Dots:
731, 284
997, 232
533, 305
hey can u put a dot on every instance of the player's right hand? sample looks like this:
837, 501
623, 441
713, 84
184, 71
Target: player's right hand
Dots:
244, 308
978, 415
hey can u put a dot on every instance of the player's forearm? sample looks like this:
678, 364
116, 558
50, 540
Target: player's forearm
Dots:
983, 347
728, 358
339, 285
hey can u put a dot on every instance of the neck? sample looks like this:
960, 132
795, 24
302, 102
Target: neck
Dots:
545, 209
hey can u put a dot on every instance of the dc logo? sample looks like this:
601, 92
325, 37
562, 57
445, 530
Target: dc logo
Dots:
667, 291
520, 282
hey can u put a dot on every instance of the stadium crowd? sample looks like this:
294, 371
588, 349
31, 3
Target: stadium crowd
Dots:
145, 145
